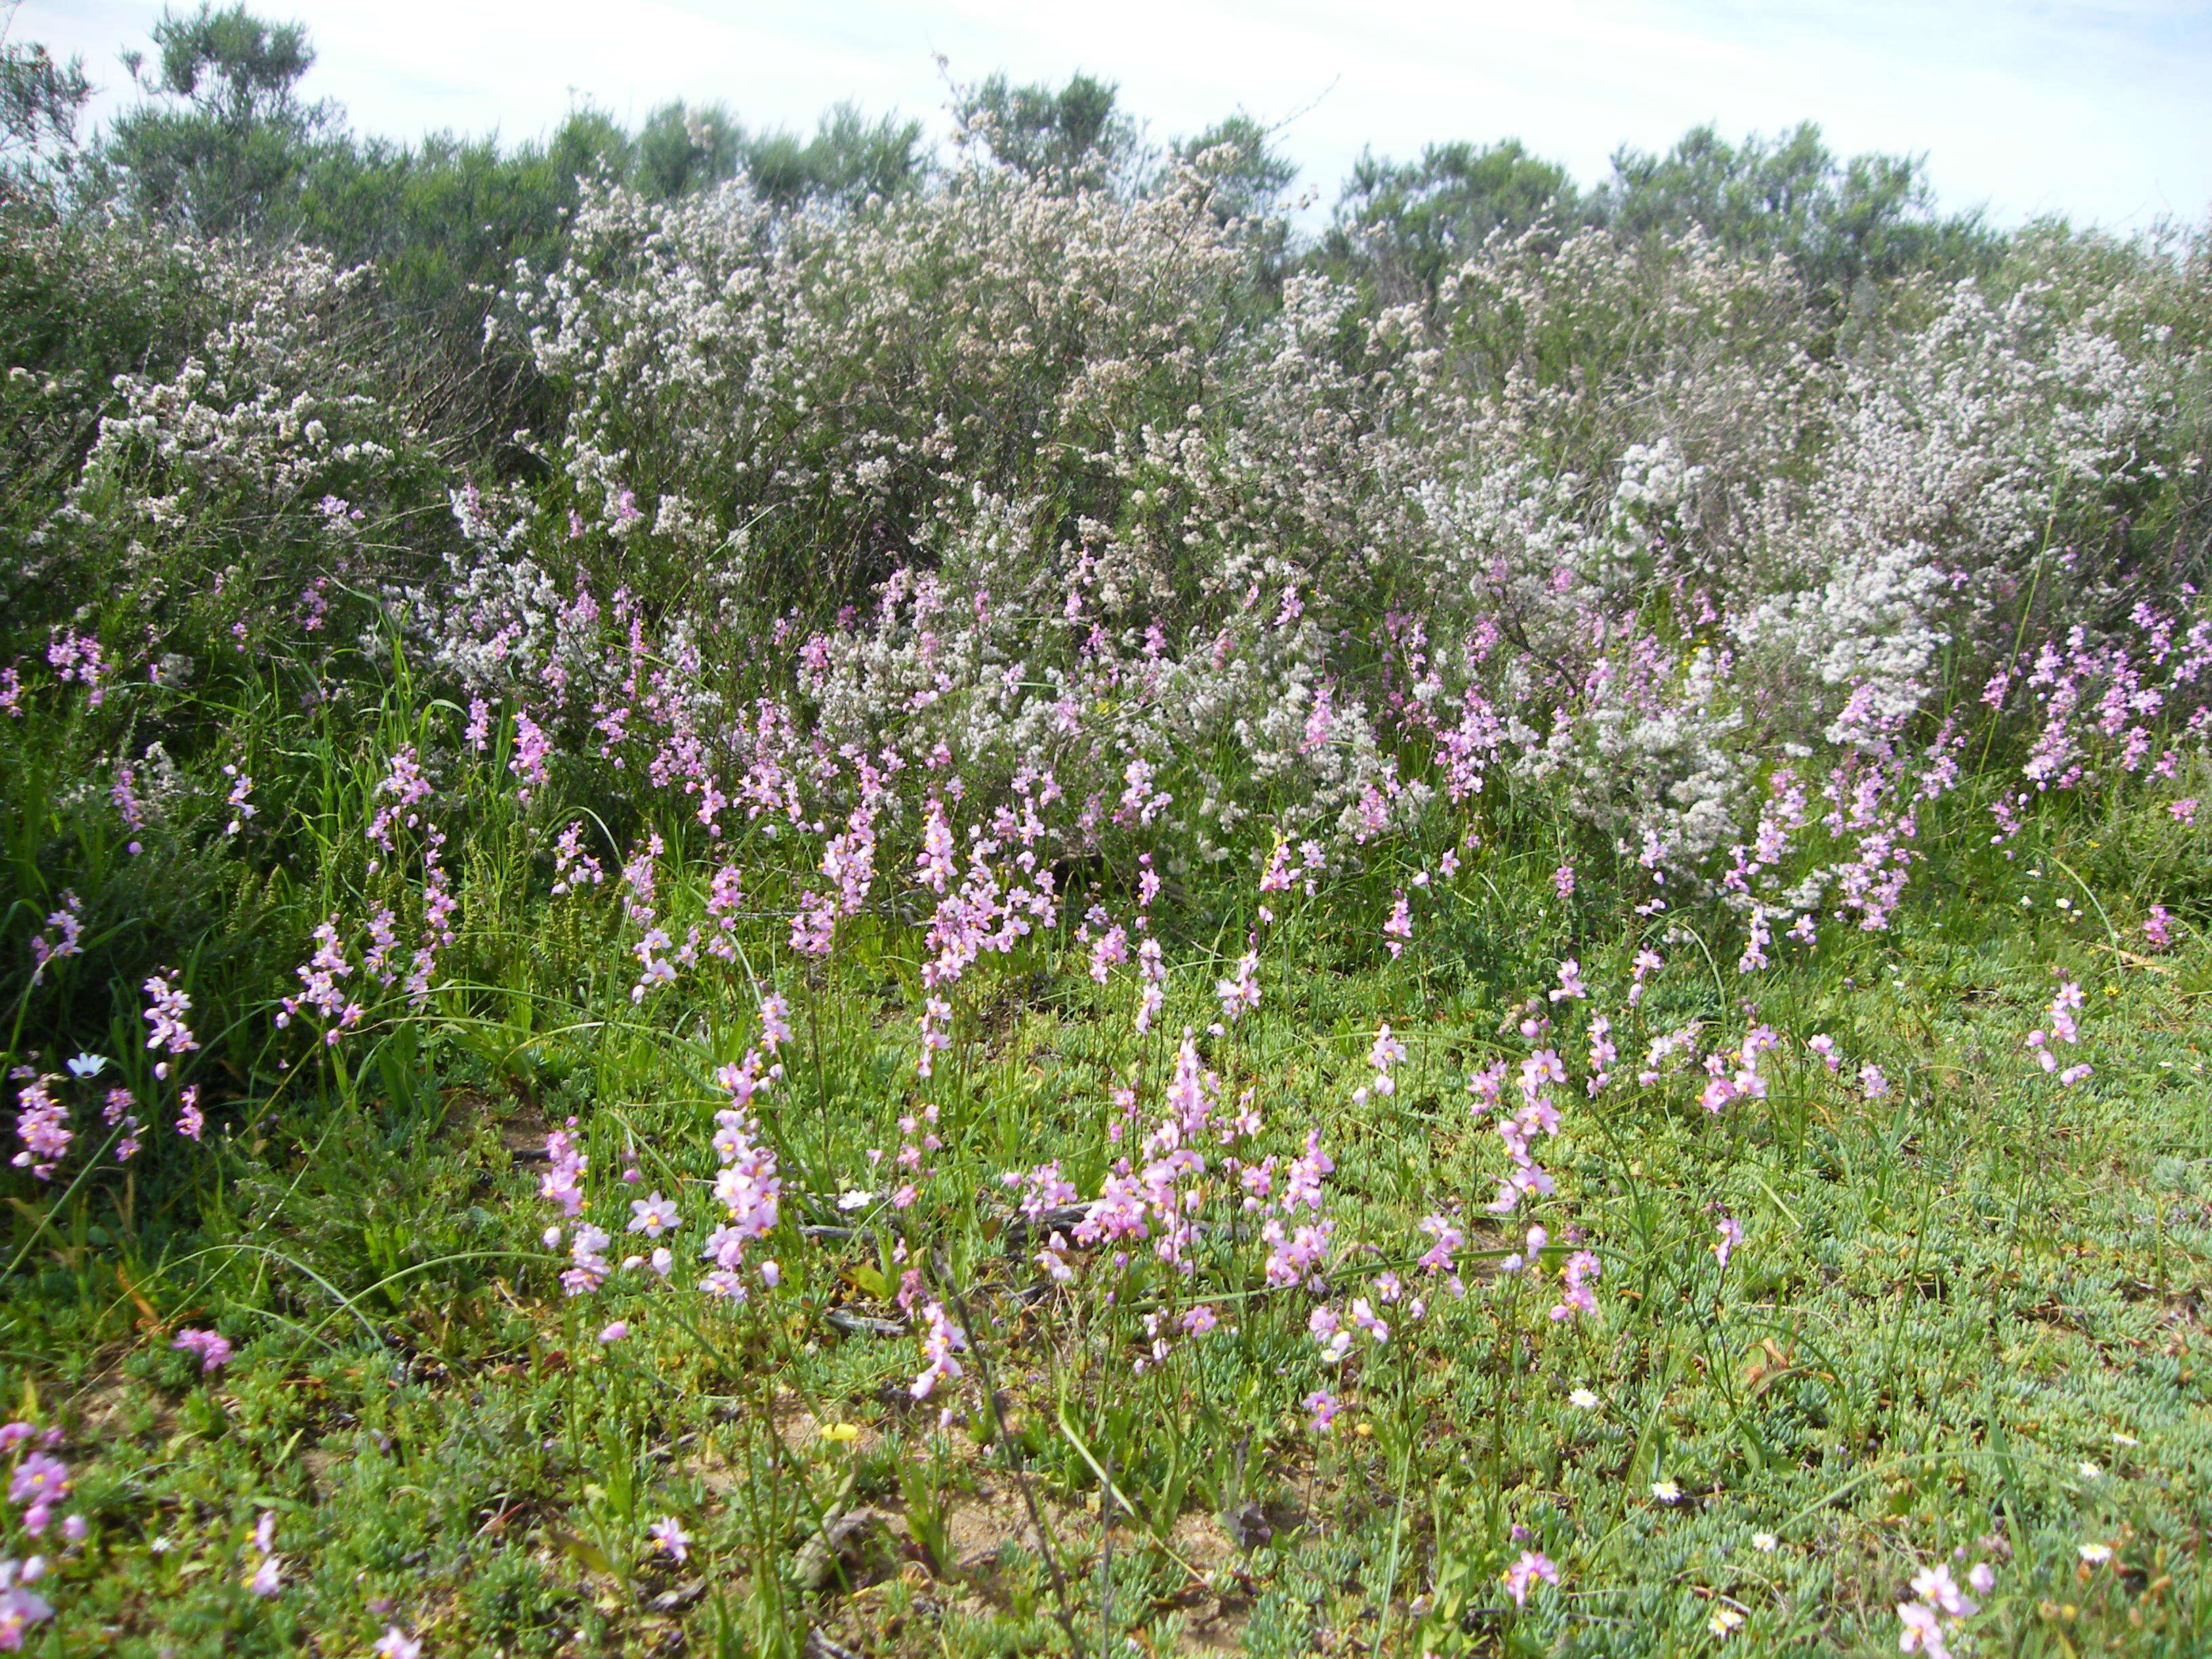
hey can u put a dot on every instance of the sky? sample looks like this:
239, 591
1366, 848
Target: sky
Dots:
2102, 112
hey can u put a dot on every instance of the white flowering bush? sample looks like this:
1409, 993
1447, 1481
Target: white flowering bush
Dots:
1627, 521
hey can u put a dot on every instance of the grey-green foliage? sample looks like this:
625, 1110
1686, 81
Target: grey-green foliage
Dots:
849, 159
224, 139
444, 223
1077, 135
1249, 178
452, 210
682, 148
1402, 227
1248, 174
1871, 216
1406, 225
39, 102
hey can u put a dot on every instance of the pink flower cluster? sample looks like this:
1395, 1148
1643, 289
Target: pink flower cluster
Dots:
1737, 1077
42, 1123
69, 923
748, 1187
993, 907
940, 1340
1537, 1114
75, 656
165, 1017
37, 1480
320, 975
2064, 1028
20, 1607
563, 1184
1927, 1624
209, 1347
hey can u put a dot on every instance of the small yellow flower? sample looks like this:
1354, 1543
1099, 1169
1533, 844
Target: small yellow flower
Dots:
842, 1433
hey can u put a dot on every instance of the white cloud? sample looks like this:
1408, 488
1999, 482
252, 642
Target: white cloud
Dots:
2096, 111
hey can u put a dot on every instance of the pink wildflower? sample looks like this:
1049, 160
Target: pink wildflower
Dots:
1386, 1052
42, 1122
39, 1479
212, 1350
1399, 925
191, 1123
775, 1022
1731, 1232
1241, 992
1934, 1586
167, 1018
19, 1609
69, 922
653, 1216
1525, 1572
1575, 1294
941, 1340
1921, 1632
1571, 984
1647, 961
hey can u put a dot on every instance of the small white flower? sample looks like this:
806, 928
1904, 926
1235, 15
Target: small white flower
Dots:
1666, 1492
2120, 1439
1764, 1542
2095, 1554
854, 1200
2090, 1471
1583, 1398
1725, 1621
88, 1065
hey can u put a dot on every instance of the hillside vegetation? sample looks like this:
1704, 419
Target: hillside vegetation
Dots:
775, 895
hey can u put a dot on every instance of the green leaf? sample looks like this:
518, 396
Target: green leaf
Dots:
871, 1281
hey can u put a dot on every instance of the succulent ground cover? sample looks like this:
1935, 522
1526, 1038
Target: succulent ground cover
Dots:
1028, 938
